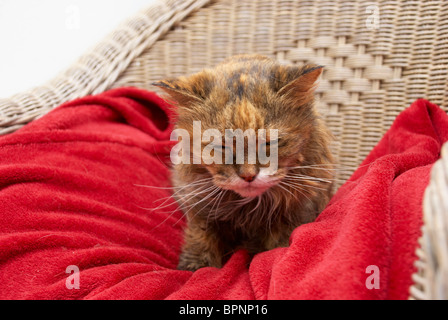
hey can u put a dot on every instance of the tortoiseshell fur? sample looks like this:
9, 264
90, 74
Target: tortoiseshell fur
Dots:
250, 91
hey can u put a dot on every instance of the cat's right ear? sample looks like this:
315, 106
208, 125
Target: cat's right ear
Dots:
177, 89
186, 91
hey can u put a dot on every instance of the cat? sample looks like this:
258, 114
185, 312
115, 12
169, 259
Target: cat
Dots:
242, 206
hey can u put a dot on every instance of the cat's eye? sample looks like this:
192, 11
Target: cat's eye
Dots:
271, 142
223, 147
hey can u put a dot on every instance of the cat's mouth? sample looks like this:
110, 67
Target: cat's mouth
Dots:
262, 183
250, 191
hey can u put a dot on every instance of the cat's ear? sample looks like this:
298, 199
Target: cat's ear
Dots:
186, 90
302, 87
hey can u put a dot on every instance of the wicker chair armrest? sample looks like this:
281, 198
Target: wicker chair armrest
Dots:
431, 281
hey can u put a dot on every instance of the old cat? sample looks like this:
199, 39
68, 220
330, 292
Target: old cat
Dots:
229, 206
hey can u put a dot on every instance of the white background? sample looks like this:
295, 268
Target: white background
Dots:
39, 38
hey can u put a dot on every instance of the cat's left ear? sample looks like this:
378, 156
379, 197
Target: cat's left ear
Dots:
303, 86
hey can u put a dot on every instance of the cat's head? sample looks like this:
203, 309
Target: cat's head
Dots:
249, 92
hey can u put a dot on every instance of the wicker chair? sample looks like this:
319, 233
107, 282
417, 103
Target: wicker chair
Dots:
373, 71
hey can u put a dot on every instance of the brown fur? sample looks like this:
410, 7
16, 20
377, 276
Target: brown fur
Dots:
250, 91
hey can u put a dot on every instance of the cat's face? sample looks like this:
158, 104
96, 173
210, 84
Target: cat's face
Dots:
275, 147
252, 94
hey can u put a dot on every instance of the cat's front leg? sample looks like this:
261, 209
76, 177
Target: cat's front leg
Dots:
201, 248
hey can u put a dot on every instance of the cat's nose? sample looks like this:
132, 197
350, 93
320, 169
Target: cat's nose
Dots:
248, 177
248, 172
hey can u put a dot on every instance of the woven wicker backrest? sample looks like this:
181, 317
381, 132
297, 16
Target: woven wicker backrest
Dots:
373, 71
378, 58
97, 70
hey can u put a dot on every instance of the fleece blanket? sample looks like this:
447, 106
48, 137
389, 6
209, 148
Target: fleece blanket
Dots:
75, 224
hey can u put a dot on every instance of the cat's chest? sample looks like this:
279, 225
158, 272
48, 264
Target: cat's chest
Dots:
252, 238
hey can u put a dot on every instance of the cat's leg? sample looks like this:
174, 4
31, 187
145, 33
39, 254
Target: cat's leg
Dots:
275, 238
201, 248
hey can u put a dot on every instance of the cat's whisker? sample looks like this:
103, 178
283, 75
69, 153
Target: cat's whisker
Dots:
220, 200
309, 178
213, 192
233, 205
166, 199
191, 195
194, 184
303, 185
329, 181
213, 202
171, 197
271, 212
280, 185
173, 187
267, 197
167, 217
173, 211
310, 181
324, 166
257, 205
216, 202
300, 175
194, 193
220, 197
297, 188
317, 165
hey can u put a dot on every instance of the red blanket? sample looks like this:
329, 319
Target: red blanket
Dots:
71, 198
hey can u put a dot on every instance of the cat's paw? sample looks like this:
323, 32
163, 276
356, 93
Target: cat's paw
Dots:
189, 265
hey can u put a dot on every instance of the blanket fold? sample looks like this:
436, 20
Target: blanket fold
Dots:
77, 186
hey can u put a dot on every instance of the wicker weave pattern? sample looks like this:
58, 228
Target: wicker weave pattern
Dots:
370, 76
97, 70
431, 281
